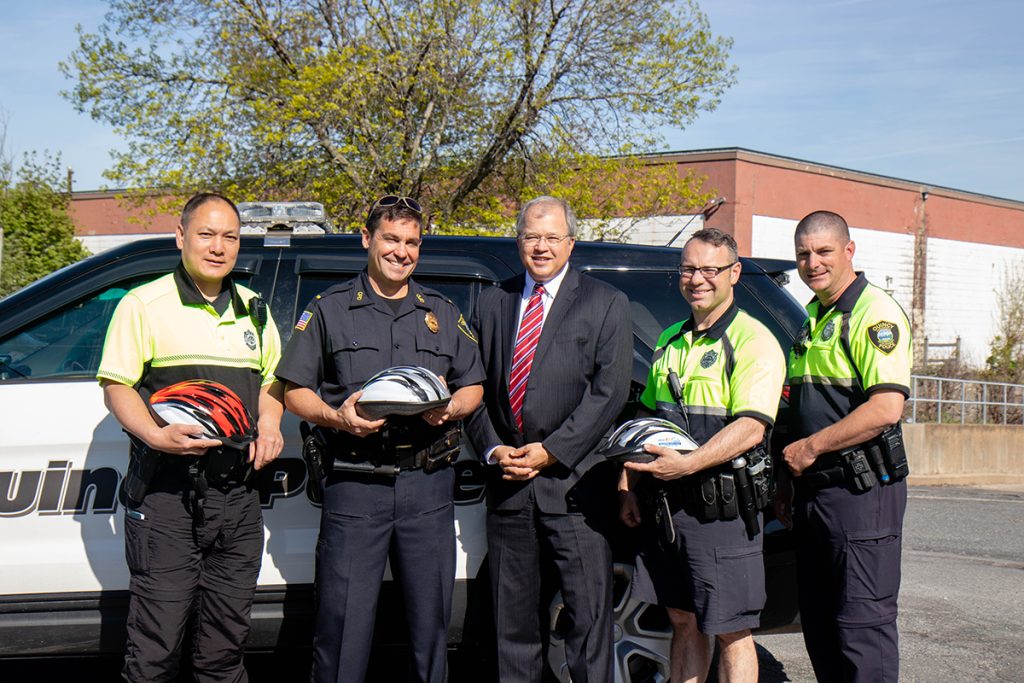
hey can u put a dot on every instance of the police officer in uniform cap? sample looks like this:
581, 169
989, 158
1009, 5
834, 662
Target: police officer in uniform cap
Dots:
193, 542
849, 374
718, 375
380, 319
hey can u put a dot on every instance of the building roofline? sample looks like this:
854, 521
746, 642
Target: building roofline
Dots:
792, 163
725, 154
119, 192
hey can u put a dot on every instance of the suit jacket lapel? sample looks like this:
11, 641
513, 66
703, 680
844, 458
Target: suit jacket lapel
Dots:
559, 309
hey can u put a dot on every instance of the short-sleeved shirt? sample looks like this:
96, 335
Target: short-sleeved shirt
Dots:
858, 345
165, 332
348, 333
735, 368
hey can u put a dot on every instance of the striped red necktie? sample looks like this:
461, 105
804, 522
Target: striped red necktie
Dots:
522, 357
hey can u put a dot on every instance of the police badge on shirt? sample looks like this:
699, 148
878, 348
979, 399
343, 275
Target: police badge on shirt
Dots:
708, 359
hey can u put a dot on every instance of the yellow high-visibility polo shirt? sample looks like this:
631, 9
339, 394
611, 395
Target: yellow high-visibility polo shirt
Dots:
858, 345
735, 368
165, 332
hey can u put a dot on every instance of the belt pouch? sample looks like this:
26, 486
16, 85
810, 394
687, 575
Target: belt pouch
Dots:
894, 452
858, 471
728, 505
707, 499
443, 451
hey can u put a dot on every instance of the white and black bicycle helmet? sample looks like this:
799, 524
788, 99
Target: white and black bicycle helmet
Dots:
402, 390
627, 442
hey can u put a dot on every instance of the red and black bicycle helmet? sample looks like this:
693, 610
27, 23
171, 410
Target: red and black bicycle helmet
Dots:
211, 405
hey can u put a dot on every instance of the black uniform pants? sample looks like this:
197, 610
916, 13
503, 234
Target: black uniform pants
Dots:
520, 543
848, 569
182, 571
365, 520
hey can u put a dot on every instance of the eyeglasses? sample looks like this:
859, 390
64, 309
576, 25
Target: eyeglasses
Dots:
709, 272
393, 199
531, 240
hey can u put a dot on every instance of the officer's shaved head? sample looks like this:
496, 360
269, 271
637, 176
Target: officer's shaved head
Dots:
823, 221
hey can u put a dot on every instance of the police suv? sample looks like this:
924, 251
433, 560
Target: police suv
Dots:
63, 578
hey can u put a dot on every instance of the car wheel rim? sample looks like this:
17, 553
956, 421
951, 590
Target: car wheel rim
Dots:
641, 635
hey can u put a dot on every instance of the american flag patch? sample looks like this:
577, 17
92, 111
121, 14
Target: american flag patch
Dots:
303, 321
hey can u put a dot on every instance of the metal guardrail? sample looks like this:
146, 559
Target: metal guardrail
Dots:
964, 401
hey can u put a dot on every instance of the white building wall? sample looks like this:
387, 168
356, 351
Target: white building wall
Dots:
964, 281
958, 302
656, 230
887, 259
773, 238
97, 243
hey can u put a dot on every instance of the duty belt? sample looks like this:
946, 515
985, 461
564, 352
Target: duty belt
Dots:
697, 494
837, 469
881, 460
826, 477
740, 488
389, 455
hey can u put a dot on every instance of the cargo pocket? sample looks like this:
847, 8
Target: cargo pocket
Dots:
740, 581
136, 546
872, 565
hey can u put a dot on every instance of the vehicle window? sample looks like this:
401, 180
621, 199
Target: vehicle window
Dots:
462, 292
66, 344
779, 311
654, 299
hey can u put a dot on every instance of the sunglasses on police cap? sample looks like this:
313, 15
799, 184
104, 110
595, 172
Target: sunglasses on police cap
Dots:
394, 200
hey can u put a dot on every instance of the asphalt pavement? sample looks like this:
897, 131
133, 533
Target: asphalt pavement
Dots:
961, 604
962, 599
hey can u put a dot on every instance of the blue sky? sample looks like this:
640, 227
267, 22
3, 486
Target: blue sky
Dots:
927, 90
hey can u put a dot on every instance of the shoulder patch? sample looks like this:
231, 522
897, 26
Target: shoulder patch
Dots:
884, 336
464, 329
303, 320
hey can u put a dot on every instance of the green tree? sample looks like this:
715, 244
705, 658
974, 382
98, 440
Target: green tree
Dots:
341, 101
38, 235
1005, 362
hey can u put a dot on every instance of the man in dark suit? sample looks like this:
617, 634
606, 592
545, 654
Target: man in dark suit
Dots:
557, 349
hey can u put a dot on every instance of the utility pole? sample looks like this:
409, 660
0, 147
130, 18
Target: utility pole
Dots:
917, 310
